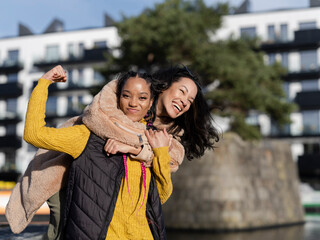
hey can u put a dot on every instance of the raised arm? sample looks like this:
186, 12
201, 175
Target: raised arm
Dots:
71, 140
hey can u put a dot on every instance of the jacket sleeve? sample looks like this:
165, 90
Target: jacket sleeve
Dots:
161, 169
104, 118
70, 140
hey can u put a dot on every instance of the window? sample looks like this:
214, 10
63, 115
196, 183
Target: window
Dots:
100, 44
11, 129
71, 52
308, 60
310, 122
51, 106
271, 33
98, 78
12, 77
81, 77
285, 60
272, 58
249, 32
81, 50
13, 57
284, 32
52, 53
286, 89
310, 85
12, 105
70, 105
307, 25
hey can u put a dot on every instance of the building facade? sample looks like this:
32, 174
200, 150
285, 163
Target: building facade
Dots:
292, 38
24, 59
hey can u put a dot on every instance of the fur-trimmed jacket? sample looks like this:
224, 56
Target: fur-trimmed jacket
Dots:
47, 172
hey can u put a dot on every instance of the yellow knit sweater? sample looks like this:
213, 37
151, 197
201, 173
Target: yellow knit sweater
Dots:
129, 220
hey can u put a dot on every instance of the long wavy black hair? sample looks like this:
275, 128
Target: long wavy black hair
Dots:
199, 133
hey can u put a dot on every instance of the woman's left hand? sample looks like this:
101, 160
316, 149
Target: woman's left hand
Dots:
158, 139
113, 147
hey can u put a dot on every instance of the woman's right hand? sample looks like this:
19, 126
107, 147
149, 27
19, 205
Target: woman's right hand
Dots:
56, 74
158, 139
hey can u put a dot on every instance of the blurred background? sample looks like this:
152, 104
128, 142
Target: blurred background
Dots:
258, 62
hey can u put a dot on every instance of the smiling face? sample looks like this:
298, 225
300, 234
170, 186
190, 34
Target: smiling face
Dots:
135, 98
177, 99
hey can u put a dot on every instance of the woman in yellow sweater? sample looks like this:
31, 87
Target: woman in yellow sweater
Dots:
115, 212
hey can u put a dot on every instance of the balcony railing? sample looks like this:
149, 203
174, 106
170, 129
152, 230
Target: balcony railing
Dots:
303, 40
10, 141
308, 100
10, 66
89, 56
10, 90
10, 118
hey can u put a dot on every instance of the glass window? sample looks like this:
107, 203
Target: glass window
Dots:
70, 105
310, 122
70, 77
81, 77
100, 44
12, 105
11, 129
285, 60
51, 106
308, 60
52, 53
249, 32
271, 33
310, 85
81, 50
71, 54
284, 32
12, 77
272, 58
307, 25
13, 57
286, 89
98, 78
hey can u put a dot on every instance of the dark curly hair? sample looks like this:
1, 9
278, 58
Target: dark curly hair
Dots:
197, 123
122, 79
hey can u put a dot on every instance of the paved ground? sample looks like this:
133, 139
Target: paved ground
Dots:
32, 232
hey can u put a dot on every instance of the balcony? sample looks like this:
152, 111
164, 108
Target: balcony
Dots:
89, 56
10, 118
10, 90
10, 142
308, 100
53, 88
9, 66
309, 165
303, 75
303, 40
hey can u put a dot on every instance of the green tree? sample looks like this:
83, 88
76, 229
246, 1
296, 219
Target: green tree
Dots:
180, 31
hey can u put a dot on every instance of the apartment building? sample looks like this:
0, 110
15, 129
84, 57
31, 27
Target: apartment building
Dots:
291, 37
24, 59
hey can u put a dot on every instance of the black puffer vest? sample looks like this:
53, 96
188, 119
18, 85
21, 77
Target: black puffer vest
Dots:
93, 187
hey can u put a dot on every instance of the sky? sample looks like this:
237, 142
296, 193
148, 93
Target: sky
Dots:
77, 14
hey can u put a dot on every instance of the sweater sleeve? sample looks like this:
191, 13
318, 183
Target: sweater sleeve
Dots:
71, 140
161, 169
